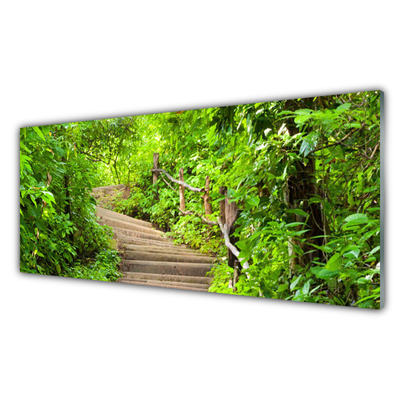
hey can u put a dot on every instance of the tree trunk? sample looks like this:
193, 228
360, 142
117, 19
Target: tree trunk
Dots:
222, 192
302, 187
207, 203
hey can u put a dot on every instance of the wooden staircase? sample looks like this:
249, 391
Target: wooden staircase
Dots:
151, 259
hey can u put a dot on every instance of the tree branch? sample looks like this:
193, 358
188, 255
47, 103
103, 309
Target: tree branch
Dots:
169, 185
229, 245
193, 189
338, 142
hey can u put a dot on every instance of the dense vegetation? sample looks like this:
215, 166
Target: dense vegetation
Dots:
59, 231
305, 174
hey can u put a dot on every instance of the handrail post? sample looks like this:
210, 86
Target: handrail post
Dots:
207, 203
222, 191
235, 274
156, 158
181, 191
228, 214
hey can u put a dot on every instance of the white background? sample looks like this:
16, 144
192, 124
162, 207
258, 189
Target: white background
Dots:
66, 339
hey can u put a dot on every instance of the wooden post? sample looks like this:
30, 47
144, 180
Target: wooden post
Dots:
207, 203
156, 157
181, 191
228, 215
235, 274
222, 191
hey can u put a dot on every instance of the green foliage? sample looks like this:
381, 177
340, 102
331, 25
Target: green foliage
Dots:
103, 268
58, 226
190, 230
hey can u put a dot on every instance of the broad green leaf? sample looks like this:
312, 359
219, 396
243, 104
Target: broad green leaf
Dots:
294, 224
374, 250
297, 211
303, 111
46, 130
344, 107
253, 201
356, 219
309, 143
334, 262
39, 132
283, 287
298, 296
324, 273
306, 288
324, 248
294, 283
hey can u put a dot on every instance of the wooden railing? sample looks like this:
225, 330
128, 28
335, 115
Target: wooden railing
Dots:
228, 211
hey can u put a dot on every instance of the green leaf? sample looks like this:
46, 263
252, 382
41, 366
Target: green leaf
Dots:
294, 283
374, 250
356, 219
306, 288
334, 262
39, 132
283, 288
344, 107
303, 111
46, 130
298, 296
309, 143
253, 201
294, 224
323, 273
297, 211
324, 248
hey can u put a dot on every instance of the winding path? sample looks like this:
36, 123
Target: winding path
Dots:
149, 258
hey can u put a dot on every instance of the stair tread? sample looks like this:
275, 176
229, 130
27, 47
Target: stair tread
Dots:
177, 248
149, 258
116, 223
160, 284
168, 283
167, 263
116, 215
133, 233
166, 277
168, 257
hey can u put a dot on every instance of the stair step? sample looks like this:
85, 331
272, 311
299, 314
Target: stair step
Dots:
142, 235
165, 267
104, 212
153, 256
205, 280
175, 249
165, 285
156, 244
117, 223
168, 283
151, 259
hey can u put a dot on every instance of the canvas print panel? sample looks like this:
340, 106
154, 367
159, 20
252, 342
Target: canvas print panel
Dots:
279, 200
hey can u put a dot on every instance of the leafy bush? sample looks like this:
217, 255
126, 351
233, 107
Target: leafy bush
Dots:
58, 225
105, 267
